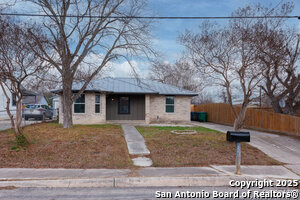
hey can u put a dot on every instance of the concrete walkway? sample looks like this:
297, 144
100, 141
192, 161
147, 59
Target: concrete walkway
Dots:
136, 146
283, 148
143, 177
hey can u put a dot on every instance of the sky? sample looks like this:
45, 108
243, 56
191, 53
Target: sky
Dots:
166, 32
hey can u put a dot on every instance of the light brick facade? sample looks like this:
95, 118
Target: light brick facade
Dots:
89, 117
155, 110
158, 112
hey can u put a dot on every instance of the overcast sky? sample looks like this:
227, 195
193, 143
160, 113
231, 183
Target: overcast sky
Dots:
165, 32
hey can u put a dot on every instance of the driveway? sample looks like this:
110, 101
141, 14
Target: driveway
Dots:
5, 124
283, 148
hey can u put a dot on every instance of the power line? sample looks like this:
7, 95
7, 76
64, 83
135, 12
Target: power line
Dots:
147, 17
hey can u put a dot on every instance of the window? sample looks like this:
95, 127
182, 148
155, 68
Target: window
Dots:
79, 105
124, 105
169, 104
45, 107
97, 103
33, 106
14, 99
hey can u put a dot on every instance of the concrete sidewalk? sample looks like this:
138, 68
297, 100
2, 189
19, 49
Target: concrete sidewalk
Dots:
142, 177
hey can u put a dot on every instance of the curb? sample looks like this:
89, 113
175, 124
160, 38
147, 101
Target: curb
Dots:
129, 182
104, 182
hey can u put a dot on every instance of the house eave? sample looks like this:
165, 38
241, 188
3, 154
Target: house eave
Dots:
111, 92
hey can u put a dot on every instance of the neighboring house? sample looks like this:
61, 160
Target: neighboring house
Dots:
129, 99
28, 98
34, 98
55, 105
3, 101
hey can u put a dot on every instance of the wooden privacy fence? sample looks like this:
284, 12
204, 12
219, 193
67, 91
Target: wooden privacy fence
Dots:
255, 118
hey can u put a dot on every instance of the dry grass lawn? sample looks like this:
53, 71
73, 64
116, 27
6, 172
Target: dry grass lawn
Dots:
208, 147
83, 146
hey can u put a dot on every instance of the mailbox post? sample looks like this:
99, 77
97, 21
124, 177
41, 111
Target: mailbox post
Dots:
238, 137
238, 157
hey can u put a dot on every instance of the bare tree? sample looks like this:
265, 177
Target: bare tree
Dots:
110, 37
227, 56
18, 61
204, 97
277, 48
230, 55
180, 74
223, 96
281, 77
44, 81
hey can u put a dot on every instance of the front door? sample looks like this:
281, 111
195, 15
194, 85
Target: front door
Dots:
125, 107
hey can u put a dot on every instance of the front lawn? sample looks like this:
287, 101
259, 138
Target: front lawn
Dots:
83, 146
208, 147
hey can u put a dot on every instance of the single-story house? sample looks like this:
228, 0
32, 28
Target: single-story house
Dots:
129, 99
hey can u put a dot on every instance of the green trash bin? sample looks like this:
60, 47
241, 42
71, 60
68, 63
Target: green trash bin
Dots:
195, 116
202, 116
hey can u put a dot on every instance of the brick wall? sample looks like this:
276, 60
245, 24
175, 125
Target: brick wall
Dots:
155, 110
89, 117
158, 112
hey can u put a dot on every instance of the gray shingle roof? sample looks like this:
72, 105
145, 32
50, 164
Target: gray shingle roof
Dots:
132, 85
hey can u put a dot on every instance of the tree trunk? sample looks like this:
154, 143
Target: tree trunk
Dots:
275, 105
16, 125
239, 120
289, 109
18, 121
67, 103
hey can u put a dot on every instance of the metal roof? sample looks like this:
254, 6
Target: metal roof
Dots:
131, 85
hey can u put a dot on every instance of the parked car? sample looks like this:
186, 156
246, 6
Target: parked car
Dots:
37, 111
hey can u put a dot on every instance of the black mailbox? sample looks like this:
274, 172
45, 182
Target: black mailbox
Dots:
233, 136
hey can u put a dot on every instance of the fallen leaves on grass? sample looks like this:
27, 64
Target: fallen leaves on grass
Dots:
83, 146
208, 147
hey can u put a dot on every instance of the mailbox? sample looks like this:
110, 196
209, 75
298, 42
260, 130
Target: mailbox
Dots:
233, 136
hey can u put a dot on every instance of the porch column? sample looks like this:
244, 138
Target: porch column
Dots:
147, 109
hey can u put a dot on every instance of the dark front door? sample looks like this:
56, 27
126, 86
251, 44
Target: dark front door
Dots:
125, 107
